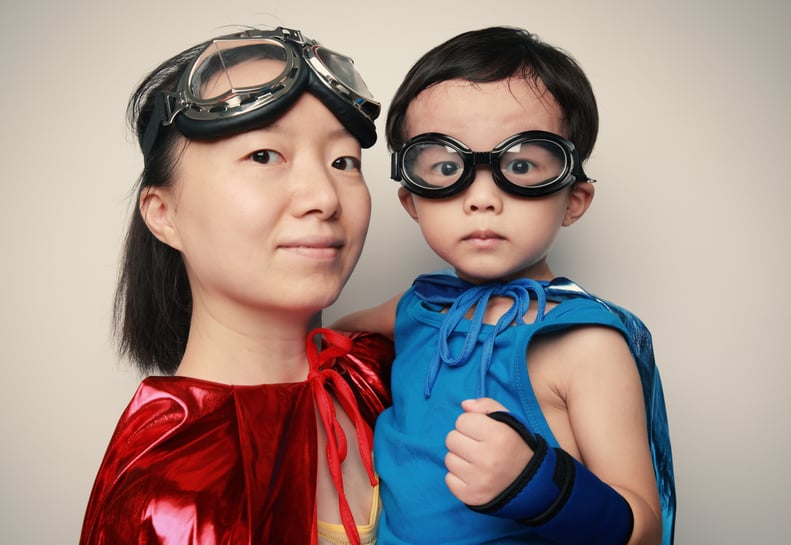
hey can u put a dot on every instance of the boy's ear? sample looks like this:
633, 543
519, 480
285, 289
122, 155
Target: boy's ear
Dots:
156, 207
579, 200
408, 202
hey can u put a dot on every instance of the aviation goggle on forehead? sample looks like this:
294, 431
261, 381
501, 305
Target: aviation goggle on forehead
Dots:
528, 164
245, 80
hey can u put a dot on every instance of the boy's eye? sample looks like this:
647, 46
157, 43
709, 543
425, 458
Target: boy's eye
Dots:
346, 163
267, 157
446, 168
519, 166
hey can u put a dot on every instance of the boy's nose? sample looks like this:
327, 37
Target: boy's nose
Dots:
483, 194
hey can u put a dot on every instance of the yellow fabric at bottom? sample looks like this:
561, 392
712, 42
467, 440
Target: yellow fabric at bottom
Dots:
334, 534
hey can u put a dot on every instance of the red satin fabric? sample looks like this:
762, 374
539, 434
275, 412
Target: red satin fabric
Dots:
200, 463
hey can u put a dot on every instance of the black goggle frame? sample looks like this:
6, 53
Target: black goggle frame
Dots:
571, 173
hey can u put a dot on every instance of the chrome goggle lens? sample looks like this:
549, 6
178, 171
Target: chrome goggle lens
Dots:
237, 74
337, 71
243, 81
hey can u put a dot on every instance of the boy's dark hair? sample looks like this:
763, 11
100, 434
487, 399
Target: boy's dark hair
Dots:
153, 301
496, 54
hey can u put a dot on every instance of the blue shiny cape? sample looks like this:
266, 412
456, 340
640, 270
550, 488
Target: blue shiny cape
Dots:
462, 296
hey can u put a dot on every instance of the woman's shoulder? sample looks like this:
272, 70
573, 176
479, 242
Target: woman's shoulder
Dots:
367, 370
158, 409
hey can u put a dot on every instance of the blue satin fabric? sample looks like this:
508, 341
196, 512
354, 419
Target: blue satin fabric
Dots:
462, 296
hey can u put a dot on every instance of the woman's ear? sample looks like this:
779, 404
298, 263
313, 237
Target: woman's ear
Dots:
579, 200
408, 202
157, 206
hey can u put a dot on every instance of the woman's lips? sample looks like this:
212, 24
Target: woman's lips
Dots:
314, 247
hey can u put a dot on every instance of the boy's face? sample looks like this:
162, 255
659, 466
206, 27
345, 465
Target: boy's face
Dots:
485, 233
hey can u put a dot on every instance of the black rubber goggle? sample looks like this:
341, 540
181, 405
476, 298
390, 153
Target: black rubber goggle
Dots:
528, 164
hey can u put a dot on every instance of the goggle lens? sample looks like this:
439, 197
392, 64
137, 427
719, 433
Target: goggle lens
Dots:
532, 163
230, 69
433, 165
343, 68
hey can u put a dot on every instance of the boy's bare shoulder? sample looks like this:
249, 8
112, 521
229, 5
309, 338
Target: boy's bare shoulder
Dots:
586, 355
582, 379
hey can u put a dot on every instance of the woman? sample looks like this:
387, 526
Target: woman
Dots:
252, 214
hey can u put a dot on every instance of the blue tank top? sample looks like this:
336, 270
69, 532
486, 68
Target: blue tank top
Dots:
479, 359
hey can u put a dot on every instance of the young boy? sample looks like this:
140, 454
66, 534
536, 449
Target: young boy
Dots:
575, 448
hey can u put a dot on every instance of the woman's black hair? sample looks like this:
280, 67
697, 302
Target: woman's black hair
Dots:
153, 301
496, 54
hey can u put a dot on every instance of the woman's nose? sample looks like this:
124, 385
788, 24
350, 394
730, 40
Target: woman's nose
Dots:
317, 193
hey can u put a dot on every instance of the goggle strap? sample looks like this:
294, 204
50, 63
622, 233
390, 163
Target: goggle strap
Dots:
395, 171
578, 171
154, 123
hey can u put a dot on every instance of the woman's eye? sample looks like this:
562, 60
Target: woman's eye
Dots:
346, 163
266, 157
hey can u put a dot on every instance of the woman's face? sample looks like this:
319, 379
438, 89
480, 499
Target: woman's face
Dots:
271, 219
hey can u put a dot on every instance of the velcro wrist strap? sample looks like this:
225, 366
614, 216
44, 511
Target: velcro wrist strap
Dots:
560, 498
518, 500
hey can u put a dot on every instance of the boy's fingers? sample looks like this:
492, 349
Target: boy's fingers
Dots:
482, 405
474, 426
456, 465
462, 445
455, 485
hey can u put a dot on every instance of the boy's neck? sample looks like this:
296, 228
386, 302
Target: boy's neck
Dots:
538, 271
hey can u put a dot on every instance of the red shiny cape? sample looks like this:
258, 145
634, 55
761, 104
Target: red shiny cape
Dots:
193, 462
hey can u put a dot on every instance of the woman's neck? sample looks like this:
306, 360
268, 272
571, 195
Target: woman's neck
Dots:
259, 349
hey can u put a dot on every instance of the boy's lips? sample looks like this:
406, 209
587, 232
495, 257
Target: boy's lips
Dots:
483, 239
484, 235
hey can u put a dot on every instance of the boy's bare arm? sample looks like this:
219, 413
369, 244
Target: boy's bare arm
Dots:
593, 372
379, 319
606, 412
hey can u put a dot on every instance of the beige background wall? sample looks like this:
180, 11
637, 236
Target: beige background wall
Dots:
689, 228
